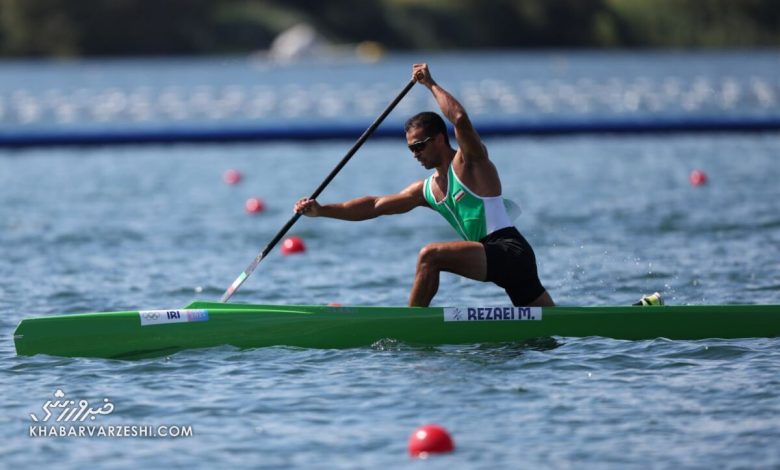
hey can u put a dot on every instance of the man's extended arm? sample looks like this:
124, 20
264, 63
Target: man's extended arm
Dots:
366, 207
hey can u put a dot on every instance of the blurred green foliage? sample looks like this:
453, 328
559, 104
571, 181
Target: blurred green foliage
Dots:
65, 28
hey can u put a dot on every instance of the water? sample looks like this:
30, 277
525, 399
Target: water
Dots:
610, 218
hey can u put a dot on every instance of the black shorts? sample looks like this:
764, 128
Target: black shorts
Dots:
511, 264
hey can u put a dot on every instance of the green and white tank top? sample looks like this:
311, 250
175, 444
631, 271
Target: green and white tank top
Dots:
473, 217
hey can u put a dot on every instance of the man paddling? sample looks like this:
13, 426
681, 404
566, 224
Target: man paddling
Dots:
465, 188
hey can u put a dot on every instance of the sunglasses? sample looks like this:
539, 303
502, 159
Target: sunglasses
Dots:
419, 146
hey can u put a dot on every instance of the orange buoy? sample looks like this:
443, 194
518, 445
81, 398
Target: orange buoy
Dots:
698, 178
232, 176
254, 205
293, 245
430, 439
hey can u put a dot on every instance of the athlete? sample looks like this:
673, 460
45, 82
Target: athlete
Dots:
465, 188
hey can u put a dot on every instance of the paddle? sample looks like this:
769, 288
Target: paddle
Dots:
248, 271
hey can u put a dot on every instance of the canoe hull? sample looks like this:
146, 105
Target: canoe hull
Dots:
208, 324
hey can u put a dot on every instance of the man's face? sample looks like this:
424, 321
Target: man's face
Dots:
422, 147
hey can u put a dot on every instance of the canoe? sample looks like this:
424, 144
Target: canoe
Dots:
149, 333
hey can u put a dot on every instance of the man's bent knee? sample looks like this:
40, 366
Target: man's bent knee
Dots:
430, 255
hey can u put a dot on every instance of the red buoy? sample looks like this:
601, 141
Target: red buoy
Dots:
698, 178
430, 439
254, 205
232, 176
293, 245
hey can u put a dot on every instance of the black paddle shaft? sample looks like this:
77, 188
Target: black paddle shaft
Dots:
248, 271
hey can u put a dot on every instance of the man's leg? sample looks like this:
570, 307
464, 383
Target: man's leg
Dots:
543, 300
463, 258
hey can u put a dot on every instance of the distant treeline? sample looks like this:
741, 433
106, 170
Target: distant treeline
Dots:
67, 28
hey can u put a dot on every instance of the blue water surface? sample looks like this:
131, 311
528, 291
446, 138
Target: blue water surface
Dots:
611, 218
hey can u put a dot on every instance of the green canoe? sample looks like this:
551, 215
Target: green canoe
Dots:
207, 324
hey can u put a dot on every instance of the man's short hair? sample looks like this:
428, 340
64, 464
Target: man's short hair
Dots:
430, 122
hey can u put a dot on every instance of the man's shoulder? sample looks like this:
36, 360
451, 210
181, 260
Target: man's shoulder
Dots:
415, 187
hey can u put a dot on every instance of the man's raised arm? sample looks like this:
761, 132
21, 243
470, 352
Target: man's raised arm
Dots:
468, 139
